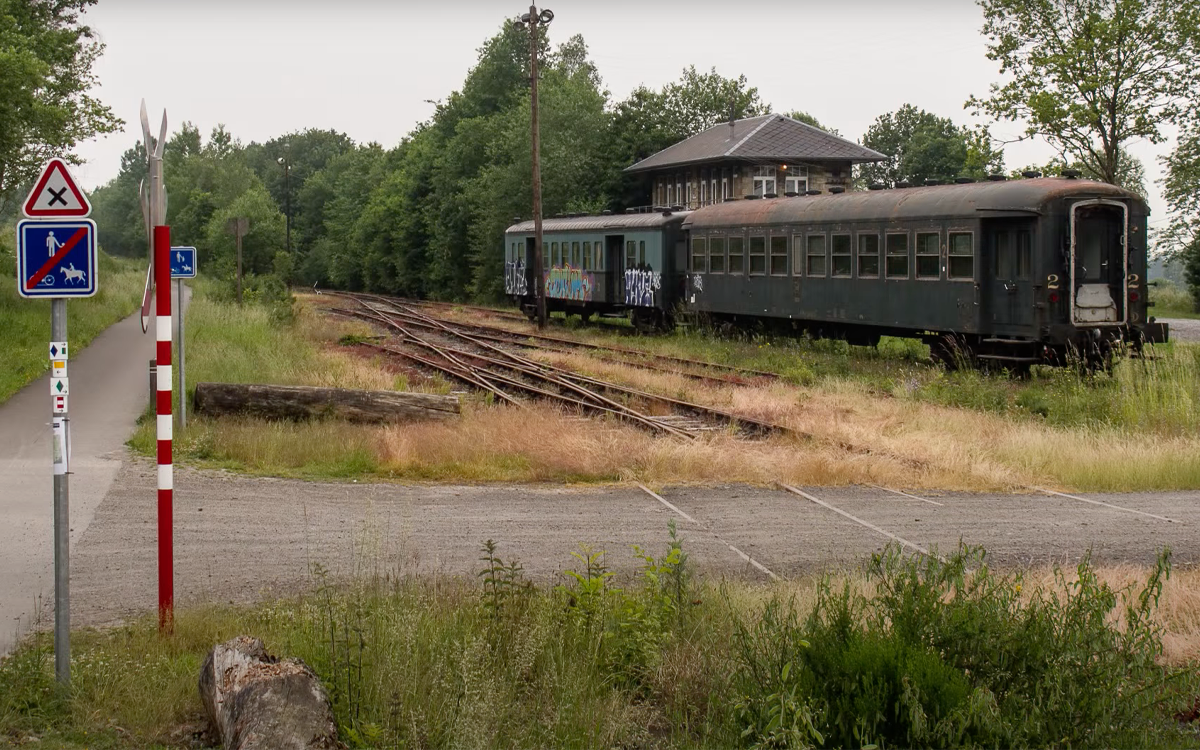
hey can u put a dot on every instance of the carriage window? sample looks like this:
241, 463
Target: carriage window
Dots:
598, 249
630, 254
797, 254
587, 256
554, 260
758, 255
779, 255
962, 256
575, 254
868, 256
897, 256
1024, 254
816, 255
716, 255
736, 255
839, 249
928, 255
699, 264
641, 252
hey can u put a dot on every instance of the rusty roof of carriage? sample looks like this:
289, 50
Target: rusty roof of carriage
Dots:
602, 223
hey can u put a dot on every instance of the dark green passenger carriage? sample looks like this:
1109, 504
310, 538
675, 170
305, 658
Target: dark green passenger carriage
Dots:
606, 264
1015, 272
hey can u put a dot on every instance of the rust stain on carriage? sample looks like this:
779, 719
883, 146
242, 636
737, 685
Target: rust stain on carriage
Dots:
1009, 197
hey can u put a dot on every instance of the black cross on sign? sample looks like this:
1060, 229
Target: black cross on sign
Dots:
58, 196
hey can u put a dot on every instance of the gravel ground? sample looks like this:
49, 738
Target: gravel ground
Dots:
241, 539
1183, 329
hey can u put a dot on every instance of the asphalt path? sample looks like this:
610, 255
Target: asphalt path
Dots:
109, 390
243, 539
1182, 329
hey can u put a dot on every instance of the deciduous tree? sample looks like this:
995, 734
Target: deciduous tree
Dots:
922, 146
1091, 75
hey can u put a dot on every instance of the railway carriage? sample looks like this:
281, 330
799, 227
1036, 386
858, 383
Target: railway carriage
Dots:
603, 265
1015, 272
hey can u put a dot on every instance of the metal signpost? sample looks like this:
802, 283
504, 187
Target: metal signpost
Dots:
56, 259
183, 266
154, 208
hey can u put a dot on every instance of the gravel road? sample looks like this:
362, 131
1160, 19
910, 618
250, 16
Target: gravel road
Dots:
241, 539
1183, 329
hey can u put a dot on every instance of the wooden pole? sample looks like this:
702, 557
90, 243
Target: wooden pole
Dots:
539, 276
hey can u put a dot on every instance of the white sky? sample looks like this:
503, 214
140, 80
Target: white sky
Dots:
366, 67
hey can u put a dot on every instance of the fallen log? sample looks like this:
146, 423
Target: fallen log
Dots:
255, 700
299, 403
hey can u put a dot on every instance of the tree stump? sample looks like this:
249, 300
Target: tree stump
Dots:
257, 701
299, 403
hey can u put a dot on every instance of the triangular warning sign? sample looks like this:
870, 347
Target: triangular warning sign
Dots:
56, 194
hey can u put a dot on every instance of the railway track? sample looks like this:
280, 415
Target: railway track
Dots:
482, 362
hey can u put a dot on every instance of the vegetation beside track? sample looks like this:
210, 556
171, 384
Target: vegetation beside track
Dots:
910, 653
26, 323
910, 424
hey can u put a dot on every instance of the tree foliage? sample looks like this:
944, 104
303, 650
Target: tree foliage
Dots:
46, 59
922, 146
1091, 75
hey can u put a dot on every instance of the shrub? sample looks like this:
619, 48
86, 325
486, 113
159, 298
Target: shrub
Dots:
949, 654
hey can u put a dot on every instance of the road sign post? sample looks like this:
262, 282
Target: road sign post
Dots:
183, 266
58, 241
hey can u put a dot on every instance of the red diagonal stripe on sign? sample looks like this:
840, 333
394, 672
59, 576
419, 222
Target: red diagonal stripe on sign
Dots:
50, 264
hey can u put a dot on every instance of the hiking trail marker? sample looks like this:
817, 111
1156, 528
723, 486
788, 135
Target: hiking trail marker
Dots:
56, 195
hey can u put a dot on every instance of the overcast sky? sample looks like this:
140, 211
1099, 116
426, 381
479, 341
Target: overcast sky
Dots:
367, 67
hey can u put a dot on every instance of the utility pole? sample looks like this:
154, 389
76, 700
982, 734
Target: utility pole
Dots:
534, 19
286, 161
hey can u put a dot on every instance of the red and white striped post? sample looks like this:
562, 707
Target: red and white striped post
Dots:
166, 484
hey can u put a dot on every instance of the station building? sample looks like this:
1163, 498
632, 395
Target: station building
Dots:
768, 155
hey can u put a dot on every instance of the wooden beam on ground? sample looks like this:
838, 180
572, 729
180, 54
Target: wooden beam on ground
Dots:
300, 403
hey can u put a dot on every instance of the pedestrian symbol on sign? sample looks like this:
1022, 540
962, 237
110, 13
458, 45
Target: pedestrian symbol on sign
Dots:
52, 245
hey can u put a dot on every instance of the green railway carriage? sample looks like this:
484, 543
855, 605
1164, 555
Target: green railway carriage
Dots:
1016, 271
604, 264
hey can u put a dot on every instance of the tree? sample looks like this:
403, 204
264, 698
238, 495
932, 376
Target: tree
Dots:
1131, 173
807, 119
922, 146
46, 58
1181, 189
1090, 75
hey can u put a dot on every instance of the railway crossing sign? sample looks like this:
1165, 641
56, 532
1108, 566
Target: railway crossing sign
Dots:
183, 263
56, 259
56, 195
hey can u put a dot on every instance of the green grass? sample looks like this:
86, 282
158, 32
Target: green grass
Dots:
913, 653
26, 323
1172, 300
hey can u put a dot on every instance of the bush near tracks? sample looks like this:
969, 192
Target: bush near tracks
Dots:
26, 329
920, 654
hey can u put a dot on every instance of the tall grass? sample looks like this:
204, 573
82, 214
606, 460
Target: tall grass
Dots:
915, 654
1172, 300
26, 323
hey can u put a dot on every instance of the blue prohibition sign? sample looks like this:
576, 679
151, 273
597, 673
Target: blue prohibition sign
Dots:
183, 263
56, 258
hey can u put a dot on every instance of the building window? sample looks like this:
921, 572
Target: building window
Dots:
897, 256
764, 180
699, 262
737, 262
703, 193
758, 256
796, 180
839, 252
816, 254
724, 188
670, 195
678, 189
630, 254
929, 251
587, 256
712, 188
716, 255
779, 255
868, 256
962, 256
688, 192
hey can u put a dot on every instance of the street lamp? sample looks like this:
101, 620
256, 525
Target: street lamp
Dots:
533, 19
287, 197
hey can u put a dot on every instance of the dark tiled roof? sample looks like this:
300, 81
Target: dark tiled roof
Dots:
765, 138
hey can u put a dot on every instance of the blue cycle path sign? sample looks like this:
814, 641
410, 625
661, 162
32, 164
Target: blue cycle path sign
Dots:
183, 263
56, 258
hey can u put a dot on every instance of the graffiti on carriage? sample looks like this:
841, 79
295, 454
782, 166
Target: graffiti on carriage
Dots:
569, 283
515, 282
640, 286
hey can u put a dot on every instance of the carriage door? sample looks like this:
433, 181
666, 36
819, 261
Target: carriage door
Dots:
1008, 247
530, 265
1098, 262
614, 272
